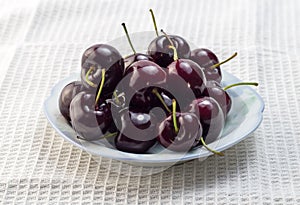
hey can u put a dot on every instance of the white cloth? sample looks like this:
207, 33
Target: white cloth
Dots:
41, 42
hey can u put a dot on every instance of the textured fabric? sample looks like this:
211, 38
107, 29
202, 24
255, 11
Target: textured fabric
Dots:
41, 42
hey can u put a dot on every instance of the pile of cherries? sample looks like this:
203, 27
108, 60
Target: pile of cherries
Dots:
116, 96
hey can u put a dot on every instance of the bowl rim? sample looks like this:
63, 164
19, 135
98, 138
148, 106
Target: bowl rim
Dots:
148, 158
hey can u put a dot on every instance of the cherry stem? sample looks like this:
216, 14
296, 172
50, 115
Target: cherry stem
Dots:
175, 57
128, 38
101, 86
174, 116
154, 22
225, 61
92, 68
209, 149
116, 97
108, 135
238, 84
160, 99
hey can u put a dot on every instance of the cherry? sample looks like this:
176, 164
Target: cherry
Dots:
220, 95
159, 49
96, 58
187, 69
204, 57
143, 100
139, 77
126, 144
135, 56
131, 140
214, 90
182, 136
209, 62
90, 115
213, 83
162, 54
190, 72
165, 99
145, 73
89, 121
150, 97
67, 95
211, 117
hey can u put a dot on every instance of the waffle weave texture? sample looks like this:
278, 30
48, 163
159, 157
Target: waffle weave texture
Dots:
41, 42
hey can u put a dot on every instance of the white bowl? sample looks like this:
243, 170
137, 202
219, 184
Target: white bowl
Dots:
244, 117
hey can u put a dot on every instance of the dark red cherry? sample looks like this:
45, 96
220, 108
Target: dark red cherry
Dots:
136, 57
159, 49
210, 63
126, 144
67, 95
145, 73
96, 58
138, 132
211, 117
190, 72
206, 59
188, 136
213, 74
213, 83
220, 95
150, 97
90, 121
214, 90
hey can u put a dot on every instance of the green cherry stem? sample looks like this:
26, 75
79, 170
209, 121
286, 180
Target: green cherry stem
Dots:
174, 116
116, 97
154, 22
238, 84
209, 149
128, 38
155, 92
101, 86
108, 135
92, 68
175, 57
225, 61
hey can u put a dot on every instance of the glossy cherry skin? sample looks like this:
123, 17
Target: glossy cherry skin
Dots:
102, 56
190, 131
213, 74
145, 100
144, 73
128, 140
163, 55
213, 83
190, 72
66, 96
89, 121
220, 95
136, 57
211, 117
205, 58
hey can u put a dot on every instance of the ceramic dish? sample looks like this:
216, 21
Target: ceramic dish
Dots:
244, 117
